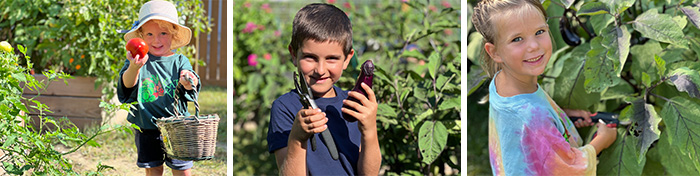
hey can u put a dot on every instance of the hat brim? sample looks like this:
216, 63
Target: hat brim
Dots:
184, 34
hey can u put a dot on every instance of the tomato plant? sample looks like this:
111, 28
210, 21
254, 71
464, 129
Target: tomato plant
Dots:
636, 58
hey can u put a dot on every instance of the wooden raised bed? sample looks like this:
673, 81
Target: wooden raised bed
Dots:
79, 101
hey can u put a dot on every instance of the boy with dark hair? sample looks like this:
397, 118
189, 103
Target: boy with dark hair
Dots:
321, 48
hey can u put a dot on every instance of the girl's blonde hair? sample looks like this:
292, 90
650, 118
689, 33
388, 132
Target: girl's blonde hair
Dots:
172, 29
483, 20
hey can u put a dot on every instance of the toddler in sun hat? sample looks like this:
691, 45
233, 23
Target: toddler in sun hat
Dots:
152, 81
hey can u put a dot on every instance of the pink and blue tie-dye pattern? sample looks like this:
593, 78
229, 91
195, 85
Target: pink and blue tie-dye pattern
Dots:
526, 137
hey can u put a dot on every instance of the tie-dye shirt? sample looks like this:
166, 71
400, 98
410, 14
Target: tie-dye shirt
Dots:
530, 135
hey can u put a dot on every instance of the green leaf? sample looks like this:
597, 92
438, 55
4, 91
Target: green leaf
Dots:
413, 53
659, 27
621, 90
693, 15
384, 109
568, 87
686, 80
680, 21
682, 119
567, 3
593, 8
432, 138
452, 102
645, 79
475, 79
618, 6
10, 140
433, 63
660, 65
621, 157
643, 60
423, 116
607, 57
475, 47
600, 22
647, 127
673, 160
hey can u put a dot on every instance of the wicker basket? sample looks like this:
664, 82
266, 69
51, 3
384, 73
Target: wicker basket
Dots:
190, 138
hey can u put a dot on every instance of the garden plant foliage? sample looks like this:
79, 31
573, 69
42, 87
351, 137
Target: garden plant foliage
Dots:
638, 59
415, 47
80, 38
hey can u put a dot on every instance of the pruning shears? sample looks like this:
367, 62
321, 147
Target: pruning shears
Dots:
608, 118
306, 98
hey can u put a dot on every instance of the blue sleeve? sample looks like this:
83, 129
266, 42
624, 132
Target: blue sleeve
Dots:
281, 119
126, 95
189, 95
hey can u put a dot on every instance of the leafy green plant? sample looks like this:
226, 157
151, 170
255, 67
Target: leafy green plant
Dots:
639, 60
417, 88
80, 37
27, 143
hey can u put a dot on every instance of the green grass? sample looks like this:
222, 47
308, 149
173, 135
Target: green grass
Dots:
117, 149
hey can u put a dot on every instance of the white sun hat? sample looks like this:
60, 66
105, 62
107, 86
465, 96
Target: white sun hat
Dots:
161, 10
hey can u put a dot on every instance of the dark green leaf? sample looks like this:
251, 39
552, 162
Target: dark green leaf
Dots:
432, 138
659, 27
593, 8
567, 89
607, 57
647, 121
673, 160
475, 79
434, 64
453, 102
682, 119
385, 110
686, 80
621, 157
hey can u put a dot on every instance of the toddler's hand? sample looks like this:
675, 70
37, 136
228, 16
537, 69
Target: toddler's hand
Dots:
184, 74
365, 113
138, 62
308, 122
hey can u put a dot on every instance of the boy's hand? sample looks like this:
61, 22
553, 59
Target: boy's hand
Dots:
184, 74
137, 62
580, 113
307, 123
366, 113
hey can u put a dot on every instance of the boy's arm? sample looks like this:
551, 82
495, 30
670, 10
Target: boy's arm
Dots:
292, 159
131, 74
370, 155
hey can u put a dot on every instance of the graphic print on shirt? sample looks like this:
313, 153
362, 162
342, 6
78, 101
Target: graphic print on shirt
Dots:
152, 89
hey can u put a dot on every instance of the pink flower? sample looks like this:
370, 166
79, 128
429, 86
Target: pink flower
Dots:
246, 4
448, 31
278, 33
347, 5
252, 60
267, 56
432, 8
249, 27
404, 0
446, 4
266, 7
331, 1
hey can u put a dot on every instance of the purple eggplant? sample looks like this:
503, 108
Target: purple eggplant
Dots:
366, 76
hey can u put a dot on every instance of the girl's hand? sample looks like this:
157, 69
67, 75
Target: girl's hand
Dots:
580, 113
365, 113
137, 62
306, 123
184, 74
605, 136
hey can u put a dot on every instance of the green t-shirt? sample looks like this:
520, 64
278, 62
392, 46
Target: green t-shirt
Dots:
155, 90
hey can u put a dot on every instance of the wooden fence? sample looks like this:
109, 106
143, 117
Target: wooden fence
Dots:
211, 48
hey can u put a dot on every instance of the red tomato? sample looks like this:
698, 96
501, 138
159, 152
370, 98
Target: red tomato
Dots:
137, 46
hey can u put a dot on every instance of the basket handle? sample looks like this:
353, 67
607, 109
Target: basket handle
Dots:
184, 103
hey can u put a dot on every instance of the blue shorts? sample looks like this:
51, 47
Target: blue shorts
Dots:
151, 151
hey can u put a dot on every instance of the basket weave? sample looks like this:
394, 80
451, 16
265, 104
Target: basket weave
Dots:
191, 138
